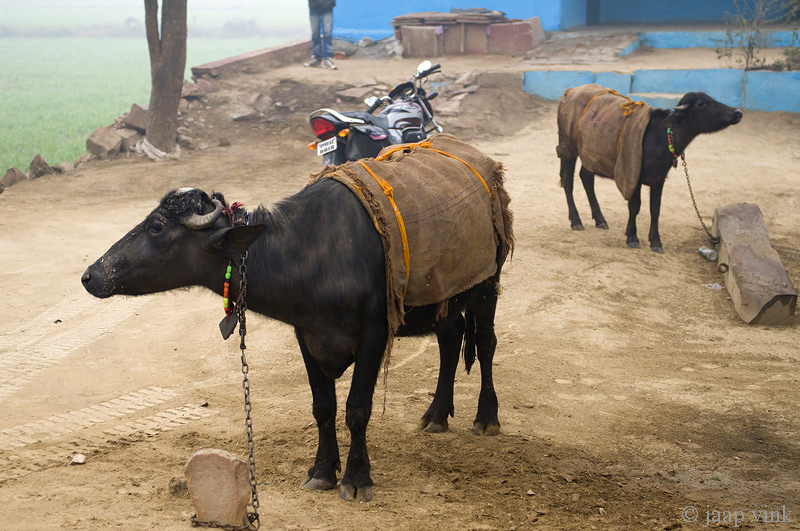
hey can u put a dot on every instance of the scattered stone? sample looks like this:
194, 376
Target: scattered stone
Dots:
224, 142
104, 143
129, 139
136, 118
192, 90
13, 176
259, 101
449, 108
39, 167
219, 487
242, 113
530, 492
467, 90
366, 81
354, 93
185, 142
78, 459
366, 41
80, 160
207, 86
466, 78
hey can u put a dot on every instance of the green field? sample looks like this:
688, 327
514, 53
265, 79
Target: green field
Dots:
55, 91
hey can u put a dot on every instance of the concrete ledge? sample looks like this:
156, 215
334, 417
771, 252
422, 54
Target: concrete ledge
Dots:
773, 91
292, 52
722, 84
757, 90
707, 39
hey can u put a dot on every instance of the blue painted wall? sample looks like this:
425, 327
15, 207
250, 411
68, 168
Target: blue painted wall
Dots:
664, 10
763, 91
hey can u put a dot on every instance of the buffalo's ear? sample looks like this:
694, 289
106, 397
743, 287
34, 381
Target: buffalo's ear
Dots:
233, 241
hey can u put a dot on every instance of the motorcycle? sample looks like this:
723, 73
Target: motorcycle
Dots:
406, 116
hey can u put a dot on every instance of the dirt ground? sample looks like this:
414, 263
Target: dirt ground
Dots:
630, 392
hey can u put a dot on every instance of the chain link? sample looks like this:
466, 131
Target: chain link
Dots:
711, 238
253, 522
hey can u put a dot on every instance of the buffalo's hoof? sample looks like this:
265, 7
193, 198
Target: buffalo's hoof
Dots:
579, 226
634, 245
351, 493
434, 427
486, 428
657, 249
317, 484
602, 225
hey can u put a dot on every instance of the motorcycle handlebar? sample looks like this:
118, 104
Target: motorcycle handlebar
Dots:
374, 106
432, 70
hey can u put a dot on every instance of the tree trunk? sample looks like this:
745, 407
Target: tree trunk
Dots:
167, 66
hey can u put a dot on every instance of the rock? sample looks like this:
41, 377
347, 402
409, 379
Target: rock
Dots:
366, 41
467, 90
104, 143
129, 139
39, 167
78, 459
355, 93
80, 160
192, 90
224, 142
207, 86
366, 82
244, 114
13, 176
136, 118
219, 486
259, 101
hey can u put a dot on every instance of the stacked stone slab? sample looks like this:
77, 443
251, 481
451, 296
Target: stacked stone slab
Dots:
466, 32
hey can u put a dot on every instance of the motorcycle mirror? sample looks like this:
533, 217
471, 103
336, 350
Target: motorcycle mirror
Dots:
424, 65
369, 102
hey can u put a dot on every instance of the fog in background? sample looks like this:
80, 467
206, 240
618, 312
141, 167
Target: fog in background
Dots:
125, 18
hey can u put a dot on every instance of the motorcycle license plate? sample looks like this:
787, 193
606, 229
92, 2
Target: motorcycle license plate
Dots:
326, 146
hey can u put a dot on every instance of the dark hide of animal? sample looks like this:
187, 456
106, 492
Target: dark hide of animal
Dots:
316, 262
695, 114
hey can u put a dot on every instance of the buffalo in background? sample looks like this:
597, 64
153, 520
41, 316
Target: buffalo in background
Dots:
695, 114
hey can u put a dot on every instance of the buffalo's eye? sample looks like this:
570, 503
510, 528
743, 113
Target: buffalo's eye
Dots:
701, 103
156, 227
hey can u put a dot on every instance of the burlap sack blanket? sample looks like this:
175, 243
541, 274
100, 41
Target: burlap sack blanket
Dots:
606, 130
453, 221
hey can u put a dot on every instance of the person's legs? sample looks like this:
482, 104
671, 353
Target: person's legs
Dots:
316, 42
326, 21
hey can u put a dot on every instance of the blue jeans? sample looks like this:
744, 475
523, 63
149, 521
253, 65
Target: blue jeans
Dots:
321, 47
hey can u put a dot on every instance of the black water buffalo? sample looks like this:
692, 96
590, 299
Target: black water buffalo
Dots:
315, 262
696, 113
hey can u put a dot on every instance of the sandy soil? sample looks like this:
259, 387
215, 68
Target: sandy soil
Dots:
628, 389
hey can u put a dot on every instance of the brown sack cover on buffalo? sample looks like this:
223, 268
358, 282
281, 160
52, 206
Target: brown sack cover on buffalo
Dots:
606, 130
454, 220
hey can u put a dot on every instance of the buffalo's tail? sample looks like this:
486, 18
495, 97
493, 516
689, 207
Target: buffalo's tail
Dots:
469, 349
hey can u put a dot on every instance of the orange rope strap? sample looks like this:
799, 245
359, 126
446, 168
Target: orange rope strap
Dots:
427, 145
389, 192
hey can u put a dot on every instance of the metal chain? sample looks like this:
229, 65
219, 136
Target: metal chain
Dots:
253, 522
711, 238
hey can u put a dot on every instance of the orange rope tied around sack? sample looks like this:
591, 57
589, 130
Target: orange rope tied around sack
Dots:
389, 192
427, 145
629, 106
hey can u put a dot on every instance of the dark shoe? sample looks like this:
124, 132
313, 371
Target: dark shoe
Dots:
315, 62
328, 63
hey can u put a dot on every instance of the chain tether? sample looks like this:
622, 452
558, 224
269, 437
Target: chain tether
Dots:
711, 238
252, 519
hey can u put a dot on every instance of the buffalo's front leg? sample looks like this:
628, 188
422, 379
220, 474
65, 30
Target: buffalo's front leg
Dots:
357, 482
634, 204
322, 476
449, 336
655, 210
486, 422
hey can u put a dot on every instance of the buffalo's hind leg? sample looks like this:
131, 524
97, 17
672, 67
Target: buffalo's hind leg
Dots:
450, 336
483, 309
357, 482
587, 178
567, 181
322, 476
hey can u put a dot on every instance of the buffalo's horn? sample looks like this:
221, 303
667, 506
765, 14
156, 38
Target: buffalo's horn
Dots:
198, 221
682, 107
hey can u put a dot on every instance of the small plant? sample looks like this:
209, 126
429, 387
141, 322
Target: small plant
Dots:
745, 35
